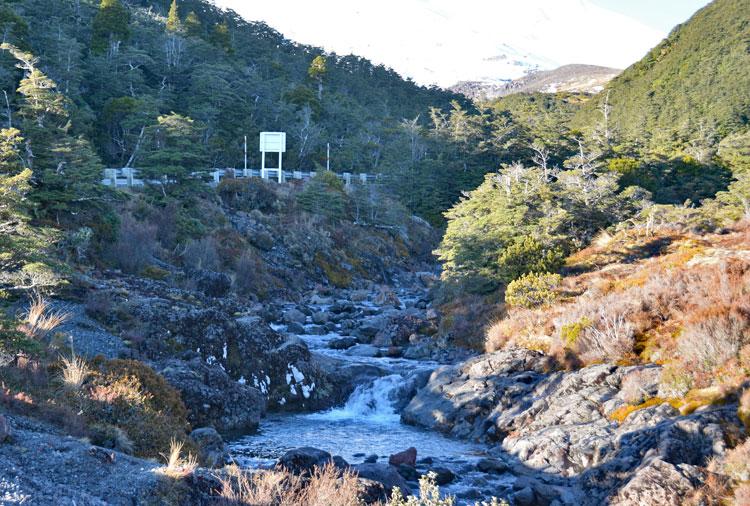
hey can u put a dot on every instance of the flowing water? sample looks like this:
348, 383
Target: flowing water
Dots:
367, 424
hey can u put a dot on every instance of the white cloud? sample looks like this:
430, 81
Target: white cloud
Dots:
445, 41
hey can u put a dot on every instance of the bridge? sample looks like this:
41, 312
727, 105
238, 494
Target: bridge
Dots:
128, 177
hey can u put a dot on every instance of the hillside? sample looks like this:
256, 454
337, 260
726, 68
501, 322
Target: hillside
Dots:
589, 79
691, 88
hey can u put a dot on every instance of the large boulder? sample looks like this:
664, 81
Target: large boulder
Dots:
212, 451
407, 457
212, 397
385, 474
303, 461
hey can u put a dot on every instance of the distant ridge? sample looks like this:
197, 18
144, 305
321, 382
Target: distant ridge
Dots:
571, 78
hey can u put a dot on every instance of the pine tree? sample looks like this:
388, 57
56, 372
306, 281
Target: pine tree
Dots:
110, 25
173, 18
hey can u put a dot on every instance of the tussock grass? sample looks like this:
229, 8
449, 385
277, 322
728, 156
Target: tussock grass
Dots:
178, 466
39, 321
74, 372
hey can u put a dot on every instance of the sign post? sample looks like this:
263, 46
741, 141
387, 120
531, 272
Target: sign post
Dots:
272, 142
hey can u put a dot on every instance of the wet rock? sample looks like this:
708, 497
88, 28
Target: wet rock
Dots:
385, 474
213, 284
342, 307
294, 316
407, 457
443, 475
342, 343
320, 318
394, 352
304, 460
493, 466
212, 397
295, 328
408, 472
371, 459
363, 350
211, 449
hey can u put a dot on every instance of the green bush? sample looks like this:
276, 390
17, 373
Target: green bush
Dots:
526, 255
324, 194
533, 290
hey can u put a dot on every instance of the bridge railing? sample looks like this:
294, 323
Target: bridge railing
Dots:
128, 177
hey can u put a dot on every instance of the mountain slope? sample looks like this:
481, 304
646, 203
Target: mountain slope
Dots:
693, 87
568, 78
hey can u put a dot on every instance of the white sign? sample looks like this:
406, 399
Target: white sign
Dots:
273, 142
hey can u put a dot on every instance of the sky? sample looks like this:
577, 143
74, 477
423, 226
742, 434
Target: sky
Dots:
446, 41
660, 14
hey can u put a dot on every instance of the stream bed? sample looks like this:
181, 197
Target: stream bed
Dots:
369, 424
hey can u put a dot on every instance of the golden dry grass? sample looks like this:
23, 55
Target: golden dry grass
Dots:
39, 321
178, 466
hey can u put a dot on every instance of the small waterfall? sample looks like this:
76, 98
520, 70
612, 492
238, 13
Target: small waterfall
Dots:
373, 402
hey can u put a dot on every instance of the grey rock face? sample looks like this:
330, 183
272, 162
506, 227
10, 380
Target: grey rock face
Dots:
212, 397
558, 423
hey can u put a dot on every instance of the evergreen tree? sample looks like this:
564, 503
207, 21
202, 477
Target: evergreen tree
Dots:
317, 71
66, 171
110, 25
175, 153
221, 37
173, 18
193, 25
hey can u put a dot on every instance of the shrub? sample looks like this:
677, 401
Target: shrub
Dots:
736, 462
248, 194
533, 290
526, 255
130, 395
429, 495
713, 336
632, 388
134, 247
610, 338
324, 194
201, 254
98, 304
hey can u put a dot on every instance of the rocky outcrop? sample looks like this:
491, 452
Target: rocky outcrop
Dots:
212, 397
559, 424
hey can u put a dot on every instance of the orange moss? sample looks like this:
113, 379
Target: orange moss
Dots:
620, 414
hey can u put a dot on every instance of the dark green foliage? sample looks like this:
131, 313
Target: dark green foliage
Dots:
690, 90
110, 25
174, 152
324, 194
519, 221
525, 255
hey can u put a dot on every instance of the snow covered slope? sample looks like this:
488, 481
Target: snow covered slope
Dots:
446, 41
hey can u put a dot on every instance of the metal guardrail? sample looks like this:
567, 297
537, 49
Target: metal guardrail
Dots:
128, 177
